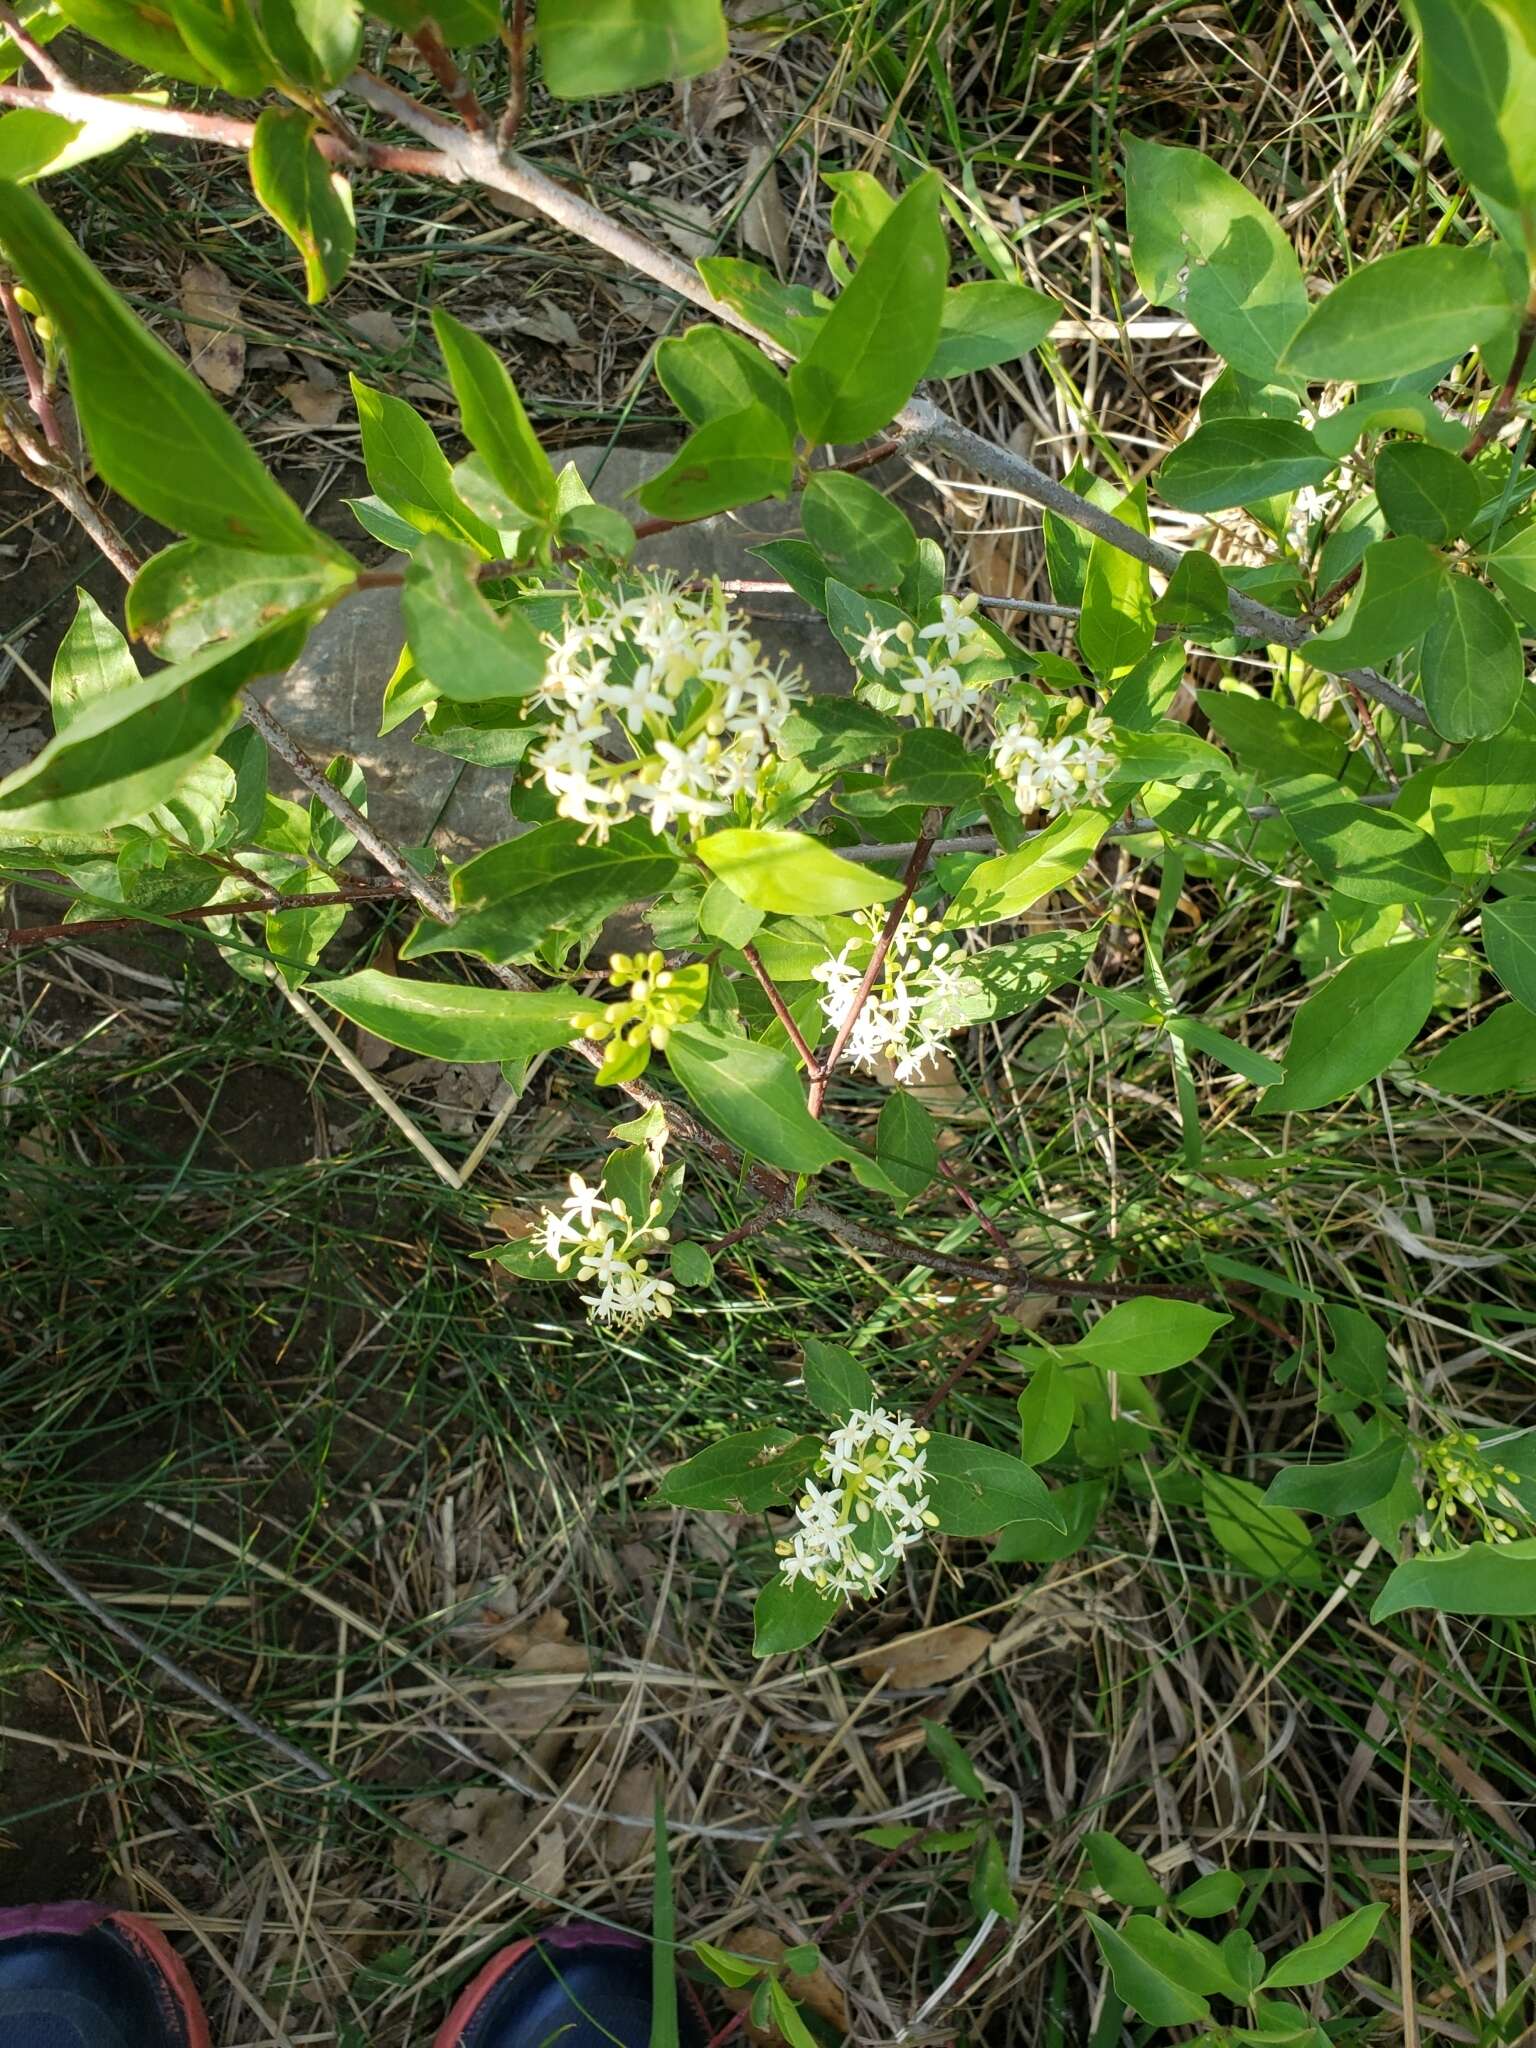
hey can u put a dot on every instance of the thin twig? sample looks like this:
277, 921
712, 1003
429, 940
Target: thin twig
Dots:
1502, 410
187, 1680
973, 1354
86, 927
38, 466
921, 849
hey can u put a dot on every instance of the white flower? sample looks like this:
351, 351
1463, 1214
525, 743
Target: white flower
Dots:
871, 652
914, 1005
664, 707
872, 1466
1055, 775
608, 1249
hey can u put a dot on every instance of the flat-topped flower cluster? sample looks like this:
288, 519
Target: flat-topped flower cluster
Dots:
914, 1005
864, 1507
664, 706
1055, 773
932, 667
610, 1250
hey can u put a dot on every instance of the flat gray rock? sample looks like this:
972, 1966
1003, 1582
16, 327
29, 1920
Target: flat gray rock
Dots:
330, 698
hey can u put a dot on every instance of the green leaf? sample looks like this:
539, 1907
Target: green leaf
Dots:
787, 2018
1140, 1337
1011, 883
1471, 666
981, 325
974, 1489
1480, 1579
1513, 568
1355, 1025
1270, 1542
598, 46
1339, 1486
860, 208
1497, 1055
1477, 85
1047, 1408
445, 1020
1369, 855
791, 871
1217, 1892
1391, 408
861, 536
310, 203
459, 21
1201, 242
829, 733
729, 1969
36, 144
155, 433
951, 1758
835, 1380
1144, 1982
933, 766
329, 839
556, 876
125, 751
691, 1265
729, 461
788, 313
1002, 980
1408, 311
494, 420
465, 649
751, 1094
1121, 1873
865, 360
93, 661
1235, 461
710, 373
906, 1144
297, 938
224, 35
316, 41
748, 1472
989, 1890
1332, 1950
412, 474
1426, 491
786, 1617
195, 592
1271, 739
1509, 940
1117, 626
140, 32
1395, 604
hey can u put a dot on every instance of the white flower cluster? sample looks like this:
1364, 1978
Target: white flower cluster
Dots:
914, 1005
608, 1248
870, 1505
1055, 775
929, 665
664, 705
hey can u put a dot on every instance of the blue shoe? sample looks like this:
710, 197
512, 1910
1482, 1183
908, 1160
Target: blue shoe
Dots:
580, 1986
78, 1975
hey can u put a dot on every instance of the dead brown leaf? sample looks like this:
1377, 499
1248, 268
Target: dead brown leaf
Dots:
484, 1825
688, 224
210, 308
551, 1626
524, 1708
311, 402
632, 1800
379, 329
764, 224
932, 1658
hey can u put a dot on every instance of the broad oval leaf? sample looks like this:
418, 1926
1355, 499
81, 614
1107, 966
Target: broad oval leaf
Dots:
1426, 491
975, 1490
710, 373
1471, 666
1141, 1337
1509, 940
494, 420
835, 1380
787, 1617
1270, 1542
751, 1094
1478, 1579
196, 592
1332, 1950
412, 474
590, 47
1355, 1025
1404, 312
1236, 461
310, 203
1492, 1058
732, 460
1145, 1983
1399, 591
444, 1020
863, 538
981, 325
791, 872
1011, 883
746, 1473
466, 649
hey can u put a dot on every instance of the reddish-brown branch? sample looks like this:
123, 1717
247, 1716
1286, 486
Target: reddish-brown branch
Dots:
37, 384
780, 1008
515, 36
34, 52
86, 927
440, 62
974, 1353
897, 911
